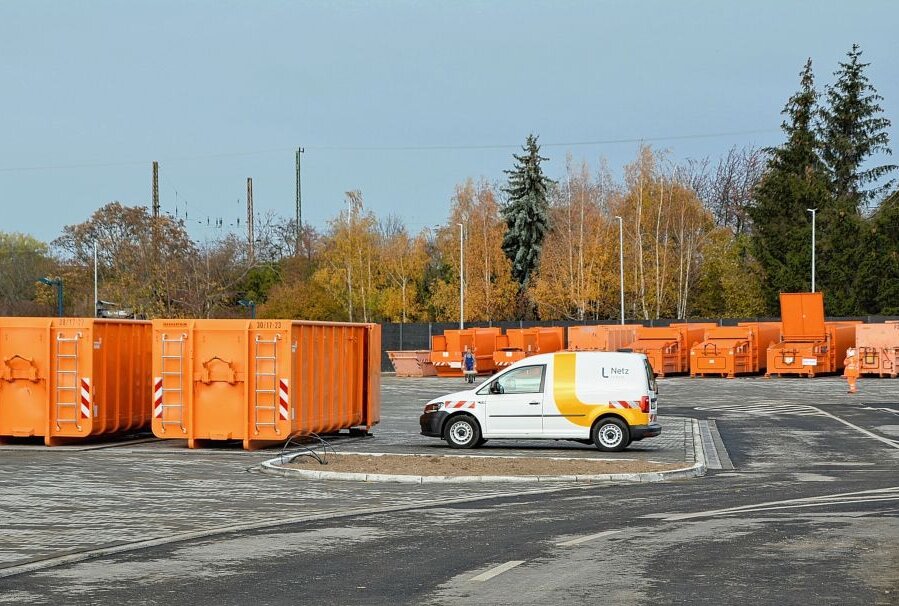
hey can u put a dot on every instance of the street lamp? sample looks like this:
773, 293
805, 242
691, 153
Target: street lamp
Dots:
461, 277
57, 282
250, 304
621, 261
813, 211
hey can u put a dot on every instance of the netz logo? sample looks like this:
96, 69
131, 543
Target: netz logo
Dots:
608, 373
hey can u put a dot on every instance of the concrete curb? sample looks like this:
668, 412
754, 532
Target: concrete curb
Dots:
697, 469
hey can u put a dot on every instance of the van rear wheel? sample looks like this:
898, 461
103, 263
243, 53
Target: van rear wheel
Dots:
462, 432
611, 435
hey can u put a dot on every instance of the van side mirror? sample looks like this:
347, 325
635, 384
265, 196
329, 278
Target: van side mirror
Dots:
495, 387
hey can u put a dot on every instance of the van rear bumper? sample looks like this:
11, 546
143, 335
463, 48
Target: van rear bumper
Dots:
638, 432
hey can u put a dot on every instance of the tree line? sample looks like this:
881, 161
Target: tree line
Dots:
704, 238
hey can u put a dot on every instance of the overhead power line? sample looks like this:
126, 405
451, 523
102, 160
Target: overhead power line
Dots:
389, 148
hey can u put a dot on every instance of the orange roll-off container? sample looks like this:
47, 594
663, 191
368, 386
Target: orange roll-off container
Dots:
668, 347
447, 350
519, 343
602, 337
878, 349
65, 379
808, 345
261, 381
734, 350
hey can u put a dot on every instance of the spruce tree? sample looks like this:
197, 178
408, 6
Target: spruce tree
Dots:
526, 213
878, 271
794, 181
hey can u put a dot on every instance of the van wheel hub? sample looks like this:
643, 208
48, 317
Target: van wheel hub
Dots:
610, 435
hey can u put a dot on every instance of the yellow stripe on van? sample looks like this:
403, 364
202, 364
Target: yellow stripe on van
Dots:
565, 393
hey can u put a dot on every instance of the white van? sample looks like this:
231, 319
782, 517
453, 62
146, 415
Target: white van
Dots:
607, 398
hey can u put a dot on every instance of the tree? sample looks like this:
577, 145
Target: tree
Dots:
526, 213
23, 260
878, 273
852, 130
794, 181
730, 281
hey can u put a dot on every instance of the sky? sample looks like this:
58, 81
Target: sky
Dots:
399, 99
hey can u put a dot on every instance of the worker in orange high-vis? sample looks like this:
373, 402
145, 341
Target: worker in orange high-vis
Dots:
850, 365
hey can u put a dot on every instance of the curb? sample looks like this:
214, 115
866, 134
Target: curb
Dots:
697, 469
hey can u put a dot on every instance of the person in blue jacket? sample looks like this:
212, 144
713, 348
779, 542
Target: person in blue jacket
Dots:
468, 366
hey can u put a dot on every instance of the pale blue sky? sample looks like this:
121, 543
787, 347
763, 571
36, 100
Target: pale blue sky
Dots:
93, 91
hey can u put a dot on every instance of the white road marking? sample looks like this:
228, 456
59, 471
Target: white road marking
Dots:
864, 496
892, 410
486, 576
590, 537
887, 441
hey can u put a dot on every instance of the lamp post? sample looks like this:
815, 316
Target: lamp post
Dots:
814, 212
57, 282
621, 261
251, 305
461, 277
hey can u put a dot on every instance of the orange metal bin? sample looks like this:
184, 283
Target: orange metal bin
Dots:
69, 378
734, 350
603, 337
447, 349
809, 345
519, 343
668, 347
262, 381
412, 363
878, 349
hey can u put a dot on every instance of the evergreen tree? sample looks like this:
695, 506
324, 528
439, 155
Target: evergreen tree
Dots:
794, 181
878, 272
852, 130
527, 212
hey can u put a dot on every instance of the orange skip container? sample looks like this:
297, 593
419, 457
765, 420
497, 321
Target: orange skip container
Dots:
603, 337
519, 343
668, 347
68, 378
447, 350
878, 349
262, 381
734, 350
808, 345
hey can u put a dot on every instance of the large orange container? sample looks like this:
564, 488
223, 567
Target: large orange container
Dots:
734, 350
878, 348
519, 343
603, 337
447, 350
668, 347
262, 381
412, 363
68, 378
809, 345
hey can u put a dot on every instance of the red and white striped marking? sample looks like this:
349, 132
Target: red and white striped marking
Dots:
624, 404
157, 397
283, 400
85, 398
459, 404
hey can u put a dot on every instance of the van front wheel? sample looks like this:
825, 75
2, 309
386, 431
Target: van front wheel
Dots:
462, 432
611, 435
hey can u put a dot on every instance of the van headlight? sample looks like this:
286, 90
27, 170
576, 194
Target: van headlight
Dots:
434, 407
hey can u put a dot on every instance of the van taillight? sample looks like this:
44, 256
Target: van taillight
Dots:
644, 404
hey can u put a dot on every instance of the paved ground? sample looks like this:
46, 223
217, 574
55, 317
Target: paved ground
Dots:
810, 514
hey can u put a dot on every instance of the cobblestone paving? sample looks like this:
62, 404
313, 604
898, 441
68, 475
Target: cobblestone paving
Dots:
62, 500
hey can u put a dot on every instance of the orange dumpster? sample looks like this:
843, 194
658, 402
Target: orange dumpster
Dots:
878, 348
734, 350
668, 347
603, 337
808, 345
261, 381
519, 343
447, 350
412, 363
69, 378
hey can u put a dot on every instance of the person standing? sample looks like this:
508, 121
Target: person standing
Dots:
851, 369
468, 366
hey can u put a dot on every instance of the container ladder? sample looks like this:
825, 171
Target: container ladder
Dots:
68, 385
172, 372
265, 391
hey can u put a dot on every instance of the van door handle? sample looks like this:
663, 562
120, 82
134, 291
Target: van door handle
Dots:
534, 403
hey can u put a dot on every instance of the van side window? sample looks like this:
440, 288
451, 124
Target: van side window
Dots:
650, 376
527, 379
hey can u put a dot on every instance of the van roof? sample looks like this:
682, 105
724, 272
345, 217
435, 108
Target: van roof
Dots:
543, 358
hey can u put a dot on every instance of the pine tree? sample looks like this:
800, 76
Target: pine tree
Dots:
852, 130
794, 181
527, 212
878, 272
